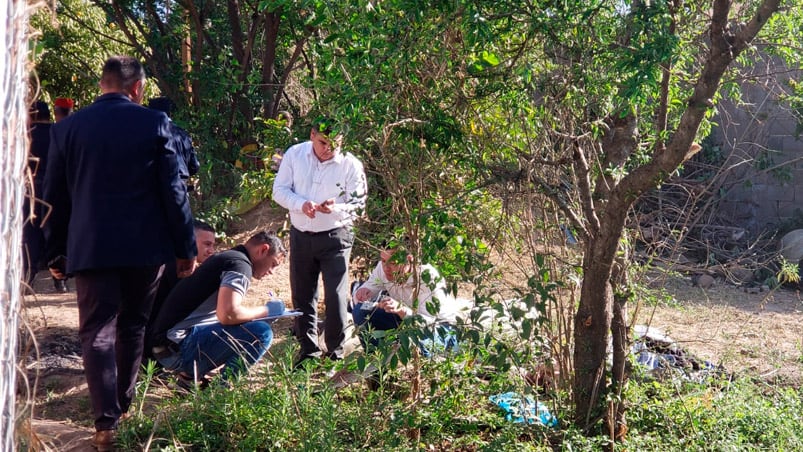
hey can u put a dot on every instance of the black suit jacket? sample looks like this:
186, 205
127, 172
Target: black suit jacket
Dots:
112, 179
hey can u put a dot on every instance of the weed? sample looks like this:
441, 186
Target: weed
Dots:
276, 408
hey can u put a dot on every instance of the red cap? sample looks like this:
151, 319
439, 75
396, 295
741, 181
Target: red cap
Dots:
64, 102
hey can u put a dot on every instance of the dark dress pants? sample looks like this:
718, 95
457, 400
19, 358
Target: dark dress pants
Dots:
113, 309
166, 284
313, 255
33, 241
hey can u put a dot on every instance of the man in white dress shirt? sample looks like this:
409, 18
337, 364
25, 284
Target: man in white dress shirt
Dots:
324, 189
389, 295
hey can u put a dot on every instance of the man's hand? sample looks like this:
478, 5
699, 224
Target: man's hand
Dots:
185, 267
57, 274
309, 209
326, 206
362, 294
58, 267
392, 306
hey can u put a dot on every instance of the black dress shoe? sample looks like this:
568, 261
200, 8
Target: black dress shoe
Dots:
60, 285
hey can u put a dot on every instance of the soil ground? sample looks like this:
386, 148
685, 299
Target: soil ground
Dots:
757, 335
754, 334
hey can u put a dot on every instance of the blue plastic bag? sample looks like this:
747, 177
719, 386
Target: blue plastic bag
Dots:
521, 410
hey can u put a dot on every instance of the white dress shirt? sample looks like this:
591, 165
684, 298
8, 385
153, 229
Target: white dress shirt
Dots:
302, 177
433, 290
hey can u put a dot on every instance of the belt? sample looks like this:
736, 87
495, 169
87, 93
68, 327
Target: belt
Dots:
314, 233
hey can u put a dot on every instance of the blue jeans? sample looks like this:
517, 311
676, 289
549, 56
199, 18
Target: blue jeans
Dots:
236, 346
440, 337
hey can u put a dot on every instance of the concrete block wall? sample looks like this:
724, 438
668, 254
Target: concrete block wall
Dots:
765, 183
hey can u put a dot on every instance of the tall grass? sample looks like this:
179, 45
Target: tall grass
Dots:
740, 415
277, 409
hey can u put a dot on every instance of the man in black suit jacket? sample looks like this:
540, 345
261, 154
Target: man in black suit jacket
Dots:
120, 210
33, 239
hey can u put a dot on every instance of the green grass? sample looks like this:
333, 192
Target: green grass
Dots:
276, 409
743, 415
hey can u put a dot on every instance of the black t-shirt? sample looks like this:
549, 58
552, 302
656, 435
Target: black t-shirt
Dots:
190, 292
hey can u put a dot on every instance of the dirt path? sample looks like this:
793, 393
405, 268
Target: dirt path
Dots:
56, 385
756, 334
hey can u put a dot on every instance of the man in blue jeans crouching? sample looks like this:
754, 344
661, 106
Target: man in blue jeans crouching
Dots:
204, 323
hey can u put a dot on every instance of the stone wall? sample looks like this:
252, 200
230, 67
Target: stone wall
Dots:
762, 140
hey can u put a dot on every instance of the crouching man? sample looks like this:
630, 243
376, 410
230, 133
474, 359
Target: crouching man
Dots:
388, 296
204, 324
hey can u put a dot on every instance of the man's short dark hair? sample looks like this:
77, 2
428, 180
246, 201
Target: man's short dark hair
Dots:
40, 111
121, 72
269, 238
201, 226
329, 127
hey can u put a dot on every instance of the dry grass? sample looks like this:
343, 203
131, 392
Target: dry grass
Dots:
752, 334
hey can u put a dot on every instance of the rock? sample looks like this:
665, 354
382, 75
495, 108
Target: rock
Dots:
791, 246
704, 281
742, 275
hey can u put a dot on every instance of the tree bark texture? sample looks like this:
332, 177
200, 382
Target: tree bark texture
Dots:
620, 341
593, 319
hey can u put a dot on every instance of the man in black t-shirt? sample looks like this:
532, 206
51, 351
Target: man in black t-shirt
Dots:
204, 324
205, 241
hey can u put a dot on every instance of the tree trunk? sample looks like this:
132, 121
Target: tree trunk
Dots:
594, 313
620, 332
13, 163
270, 92
593, 320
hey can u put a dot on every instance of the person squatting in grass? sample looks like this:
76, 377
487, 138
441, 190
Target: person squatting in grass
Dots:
388, 295
205, 242
207, 325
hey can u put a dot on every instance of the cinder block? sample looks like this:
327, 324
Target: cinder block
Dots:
765, 193
739, 194
786, 208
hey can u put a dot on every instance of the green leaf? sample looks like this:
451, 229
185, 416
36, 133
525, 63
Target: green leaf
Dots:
489, 58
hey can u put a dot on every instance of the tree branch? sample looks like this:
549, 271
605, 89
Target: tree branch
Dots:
233, 10
725, 48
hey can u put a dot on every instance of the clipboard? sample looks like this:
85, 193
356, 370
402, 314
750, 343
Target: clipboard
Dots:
286, 314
